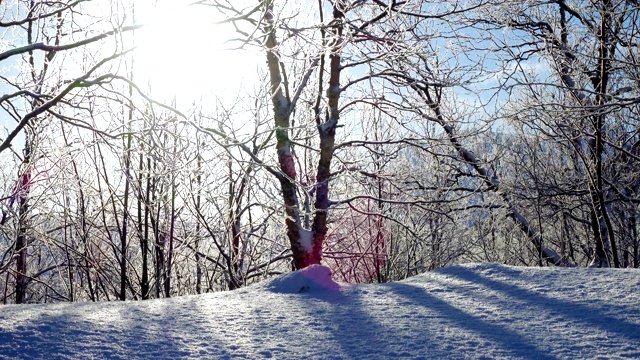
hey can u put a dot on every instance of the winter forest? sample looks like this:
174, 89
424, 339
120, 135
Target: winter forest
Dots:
155, 149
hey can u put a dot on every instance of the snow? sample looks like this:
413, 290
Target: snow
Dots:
471, 311
315, 278
306, 238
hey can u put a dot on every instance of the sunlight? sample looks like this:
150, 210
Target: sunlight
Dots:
182, 53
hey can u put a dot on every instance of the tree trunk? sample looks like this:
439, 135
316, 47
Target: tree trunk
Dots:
21, 240
143, 228
605, 232
306, 245
172, 220
300, 245
636, 243
197, 235
125, 219
84, 232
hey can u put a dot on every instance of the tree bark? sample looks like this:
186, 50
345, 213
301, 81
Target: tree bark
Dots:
281, 113
306, 245
23, 212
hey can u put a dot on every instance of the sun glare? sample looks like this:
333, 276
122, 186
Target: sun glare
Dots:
182, 53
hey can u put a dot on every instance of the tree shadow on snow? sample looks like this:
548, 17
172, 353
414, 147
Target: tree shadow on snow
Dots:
365, 323
576, 311
497, 340
139, 330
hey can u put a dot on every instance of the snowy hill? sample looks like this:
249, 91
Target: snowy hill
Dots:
468, 311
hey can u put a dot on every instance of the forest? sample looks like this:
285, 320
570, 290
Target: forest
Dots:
382, 138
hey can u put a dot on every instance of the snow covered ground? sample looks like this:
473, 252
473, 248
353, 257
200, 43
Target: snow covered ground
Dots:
470, 311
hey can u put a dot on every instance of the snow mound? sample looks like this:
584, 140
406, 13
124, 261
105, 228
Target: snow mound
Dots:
468, 311
310, 279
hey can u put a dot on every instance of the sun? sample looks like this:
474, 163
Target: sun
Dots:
183, 53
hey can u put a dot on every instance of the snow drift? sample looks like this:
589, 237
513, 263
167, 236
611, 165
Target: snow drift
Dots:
475, 311
310, 279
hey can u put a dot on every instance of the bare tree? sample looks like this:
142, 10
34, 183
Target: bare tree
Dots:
589, 47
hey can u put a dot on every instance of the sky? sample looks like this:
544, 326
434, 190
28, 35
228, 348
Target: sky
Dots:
471, 311
183, 56
184, 51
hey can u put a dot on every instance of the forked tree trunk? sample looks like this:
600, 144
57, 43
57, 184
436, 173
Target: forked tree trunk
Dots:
306, 245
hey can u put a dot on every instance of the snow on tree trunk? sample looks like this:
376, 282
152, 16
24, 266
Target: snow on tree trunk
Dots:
306, 245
